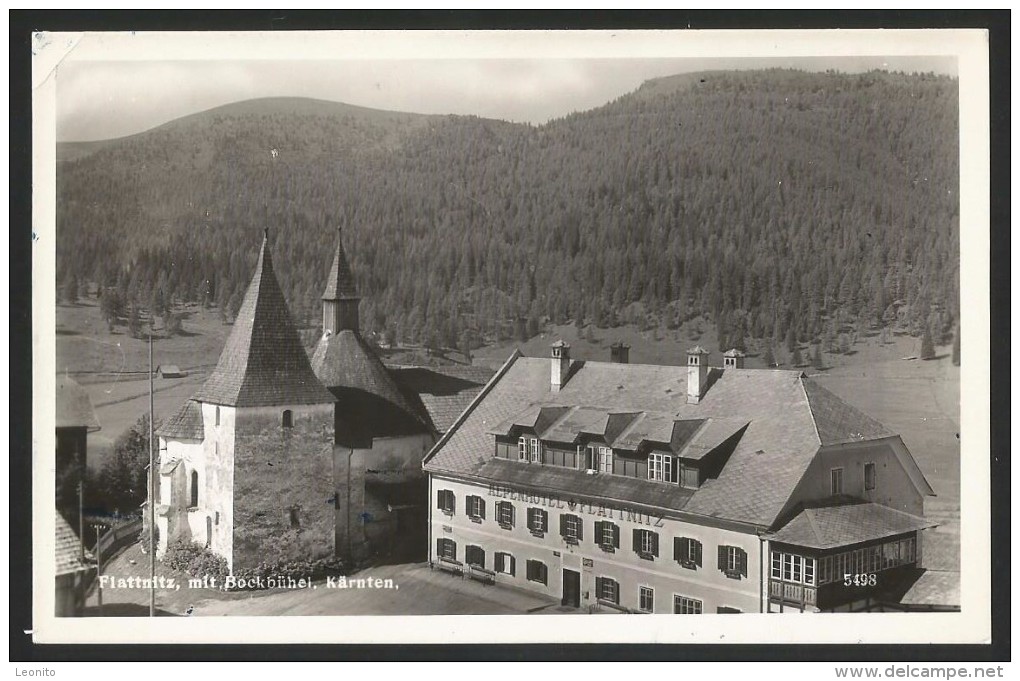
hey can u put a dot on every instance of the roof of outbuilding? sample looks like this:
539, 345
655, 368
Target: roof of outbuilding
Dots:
830, 527
263, 362
67, 548
185, 424
369, 400
444, 391
74, 407
778, 444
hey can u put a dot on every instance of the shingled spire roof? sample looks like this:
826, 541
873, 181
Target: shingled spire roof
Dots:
263, 362
340, 283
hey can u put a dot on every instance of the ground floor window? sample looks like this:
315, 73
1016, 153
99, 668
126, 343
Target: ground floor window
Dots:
537, 572
646, 599
446, 548
682, 605
607, 589
505, 563
474, 555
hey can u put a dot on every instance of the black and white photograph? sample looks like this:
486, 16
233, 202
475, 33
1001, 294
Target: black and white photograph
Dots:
384, 327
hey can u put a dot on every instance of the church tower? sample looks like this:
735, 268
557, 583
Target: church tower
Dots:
340, 300
250, 478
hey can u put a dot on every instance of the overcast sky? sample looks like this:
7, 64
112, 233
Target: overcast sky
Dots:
105, 99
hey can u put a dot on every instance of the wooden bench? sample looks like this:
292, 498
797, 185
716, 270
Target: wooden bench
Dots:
454, 567
480, 574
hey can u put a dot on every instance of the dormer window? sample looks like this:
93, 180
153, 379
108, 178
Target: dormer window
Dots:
660, 467
598, 458
536, 451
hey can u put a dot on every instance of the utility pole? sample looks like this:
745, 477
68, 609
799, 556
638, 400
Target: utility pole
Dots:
99, 567
81, 504
152, 488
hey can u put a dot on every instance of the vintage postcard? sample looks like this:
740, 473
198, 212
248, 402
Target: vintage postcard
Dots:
505, 337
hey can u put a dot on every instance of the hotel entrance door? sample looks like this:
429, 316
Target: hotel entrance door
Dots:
571, 588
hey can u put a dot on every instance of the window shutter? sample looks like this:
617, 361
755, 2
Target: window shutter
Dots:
513, 513
580, 529
563, 525
722, 558
513, 565
599, 590
497, 562
742, 561
637, 541
545, 573
481, 507
655, 544
545, 520
616, 536
599, 534
439, 548
440, 498
697, 552
678, 544
453, 502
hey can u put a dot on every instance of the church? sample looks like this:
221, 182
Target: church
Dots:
281, 457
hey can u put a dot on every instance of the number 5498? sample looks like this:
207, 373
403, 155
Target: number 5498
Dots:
868, 579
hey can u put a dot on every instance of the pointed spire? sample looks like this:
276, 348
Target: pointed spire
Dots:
263, 362
340, 283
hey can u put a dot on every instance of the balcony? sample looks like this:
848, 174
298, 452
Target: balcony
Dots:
793, 593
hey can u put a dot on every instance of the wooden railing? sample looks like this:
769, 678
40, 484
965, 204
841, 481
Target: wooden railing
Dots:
792, 593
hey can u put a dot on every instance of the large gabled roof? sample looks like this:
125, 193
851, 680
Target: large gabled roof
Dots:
263, 362
774, 450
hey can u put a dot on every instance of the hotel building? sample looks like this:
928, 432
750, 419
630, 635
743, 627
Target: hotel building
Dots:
675, 489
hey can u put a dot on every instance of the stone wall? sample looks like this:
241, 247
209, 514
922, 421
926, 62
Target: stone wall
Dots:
283, 505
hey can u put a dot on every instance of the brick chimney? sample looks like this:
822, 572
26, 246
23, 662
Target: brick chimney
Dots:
560, 364
733, 359
619, 353
697, 373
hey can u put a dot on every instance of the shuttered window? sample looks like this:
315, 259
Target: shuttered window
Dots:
446, 501
607, 589
571, 528
474, 555
505, 514
733, 561
446, 548
870, 476
646, 544
537, 572
538, 521
504, 563
607, 535
476, 508
687, 552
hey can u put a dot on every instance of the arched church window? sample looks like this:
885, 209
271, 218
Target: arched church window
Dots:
194, 489
288, 418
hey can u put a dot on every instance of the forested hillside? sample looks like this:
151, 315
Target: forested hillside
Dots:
778, 204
